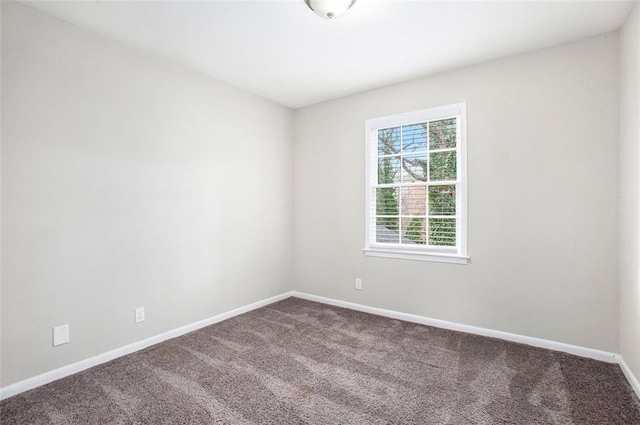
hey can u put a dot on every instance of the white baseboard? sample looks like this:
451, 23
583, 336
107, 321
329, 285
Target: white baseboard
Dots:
630, 376
536, 342
71, 369
65, 371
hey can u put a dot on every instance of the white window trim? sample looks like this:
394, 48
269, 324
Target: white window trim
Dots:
457, 255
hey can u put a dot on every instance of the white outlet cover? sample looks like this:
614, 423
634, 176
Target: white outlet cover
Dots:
139, 316
60, 335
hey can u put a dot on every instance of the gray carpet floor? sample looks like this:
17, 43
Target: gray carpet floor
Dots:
300, 362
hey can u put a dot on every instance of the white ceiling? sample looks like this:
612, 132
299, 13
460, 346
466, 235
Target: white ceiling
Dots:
284, 52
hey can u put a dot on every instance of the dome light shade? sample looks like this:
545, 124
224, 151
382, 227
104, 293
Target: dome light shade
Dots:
329, 9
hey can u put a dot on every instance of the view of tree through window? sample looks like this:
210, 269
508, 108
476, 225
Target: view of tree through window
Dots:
416, 191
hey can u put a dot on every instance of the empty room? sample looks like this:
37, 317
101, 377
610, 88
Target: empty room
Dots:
320, 212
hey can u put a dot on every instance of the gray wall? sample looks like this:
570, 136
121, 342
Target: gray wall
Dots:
129, 181
630, 192
543, 198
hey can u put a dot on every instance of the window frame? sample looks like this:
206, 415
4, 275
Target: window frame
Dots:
457, 254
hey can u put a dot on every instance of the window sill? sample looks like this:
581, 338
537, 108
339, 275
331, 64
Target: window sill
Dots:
418, 256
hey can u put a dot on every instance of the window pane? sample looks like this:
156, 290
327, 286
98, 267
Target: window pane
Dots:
413, 231
389, 141
414, 200
387, 230
442, 200
443, 166
442, 231
442, 134
416, 190
389, 169
387, 201
414, 138
414, 168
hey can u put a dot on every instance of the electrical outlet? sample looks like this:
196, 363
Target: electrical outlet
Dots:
139, 314
60, 335
358, 284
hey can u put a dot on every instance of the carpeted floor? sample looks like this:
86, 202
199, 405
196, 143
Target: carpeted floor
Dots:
299, 362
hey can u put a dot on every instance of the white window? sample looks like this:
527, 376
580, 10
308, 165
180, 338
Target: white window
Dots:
416, 204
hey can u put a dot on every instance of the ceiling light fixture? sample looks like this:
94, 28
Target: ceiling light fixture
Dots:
329, 9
